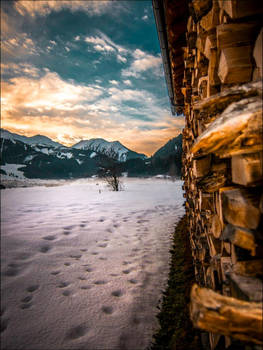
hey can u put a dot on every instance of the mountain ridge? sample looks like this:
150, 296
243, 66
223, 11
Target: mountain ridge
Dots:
48, 160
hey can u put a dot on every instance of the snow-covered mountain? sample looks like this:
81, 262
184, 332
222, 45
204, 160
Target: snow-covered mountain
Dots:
39, 140
113, 149
41, 157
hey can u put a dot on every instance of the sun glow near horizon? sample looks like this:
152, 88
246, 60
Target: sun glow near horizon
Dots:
71, 83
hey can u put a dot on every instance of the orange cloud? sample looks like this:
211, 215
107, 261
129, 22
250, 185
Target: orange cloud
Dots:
68, 112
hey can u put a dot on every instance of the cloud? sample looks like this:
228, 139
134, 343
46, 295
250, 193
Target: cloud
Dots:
104, 44
44, 8
18, 45
127, 82
49, 92
145, 17
21, 69
43, 102
141, 63
113, 82
121, 59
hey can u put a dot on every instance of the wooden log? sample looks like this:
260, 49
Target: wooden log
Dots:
216, 313
246, 288
225, 266
240, 207
257, 53
236, 34
201, 166
238, 130
213, 68
235, 65
210, 43
203, 87
217, 227
217, 103
241, 237
212, 182
247, 169
211, 20
250, 268
201, 7
238, 9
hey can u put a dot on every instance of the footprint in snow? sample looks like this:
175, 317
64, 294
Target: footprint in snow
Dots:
54, 273
103, 245
4, 324
107, 310
117, 293
75, 256
67, 292
32, 288
63, 284
49, 238
44, 248
76, 332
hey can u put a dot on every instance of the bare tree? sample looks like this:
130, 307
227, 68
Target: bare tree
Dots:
110, 171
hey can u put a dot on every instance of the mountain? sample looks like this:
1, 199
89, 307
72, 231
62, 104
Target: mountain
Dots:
41, 157
33, 140
113, 149
173, 146
168, 159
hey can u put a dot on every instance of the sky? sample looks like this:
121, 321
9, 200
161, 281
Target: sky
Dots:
76, 70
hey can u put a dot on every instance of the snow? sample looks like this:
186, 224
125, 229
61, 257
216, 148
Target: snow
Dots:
28, 158
12, 171
63, 155
112, 149
93, 154
84, 267
79, 161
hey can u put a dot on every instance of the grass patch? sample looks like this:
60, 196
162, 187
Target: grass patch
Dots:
176, 330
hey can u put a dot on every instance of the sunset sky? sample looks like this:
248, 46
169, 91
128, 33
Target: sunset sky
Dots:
74, 70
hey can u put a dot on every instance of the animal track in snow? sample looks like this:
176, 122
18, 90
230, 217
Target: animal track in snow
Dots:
25, 306
49, 238
133, 281
107, 310
54, 273
103, 245
89, 269
4, 324
117, 293
27, 299
86, 287
63, 284
67, 292
100, 282
76, 332
32, 288
75, 256
44, 248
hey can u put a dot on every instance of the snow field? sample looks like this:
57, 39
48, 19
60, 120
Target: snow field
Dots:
83, 267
